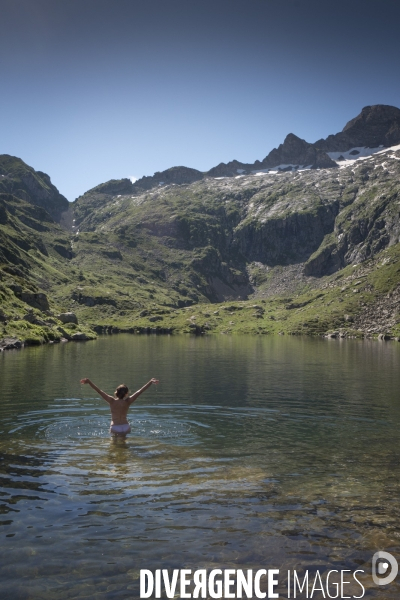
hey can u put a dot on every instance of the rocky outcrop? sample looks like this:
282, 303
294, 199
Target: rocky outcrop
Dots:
365, 228
288, 239
37, 300
88, 300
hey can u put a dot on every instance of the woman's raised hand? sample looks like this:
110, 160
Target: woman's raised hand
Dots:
156, 381
85, 380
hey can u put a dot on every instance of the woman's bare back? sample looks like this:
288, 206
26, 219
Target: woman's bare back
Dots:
119, 411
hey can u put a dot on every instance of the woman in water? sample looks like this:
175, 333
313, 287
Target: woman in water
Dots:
119, 404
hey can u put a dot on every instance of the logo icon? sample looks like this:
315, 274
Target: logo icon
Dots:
384, 563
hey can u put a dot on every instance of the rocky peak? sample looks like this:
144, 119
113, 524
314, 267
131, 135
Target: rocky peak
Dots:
379, 115
375, 126
35, 187
230, 169
295, 151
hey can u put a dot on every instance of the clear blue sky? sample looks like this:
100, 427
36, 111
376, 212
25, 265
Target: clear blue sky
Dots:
98, 89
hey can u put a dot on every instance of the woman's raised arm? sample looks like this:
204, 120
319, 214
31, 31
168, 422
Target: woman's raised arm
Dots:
137, 394
105, 396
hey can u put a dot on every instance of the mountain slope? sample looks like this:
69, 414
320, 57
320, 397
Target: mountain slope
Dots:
286, 250
253, 236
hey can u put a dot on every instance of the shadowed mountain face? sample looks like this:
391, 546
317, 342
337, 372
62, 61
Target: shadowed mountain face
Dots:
297, 152
135, 253
35, 187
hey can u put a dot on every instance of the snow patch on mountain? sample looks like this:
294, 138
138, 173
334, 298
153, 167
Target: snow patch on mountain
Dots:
344, 159
283, 168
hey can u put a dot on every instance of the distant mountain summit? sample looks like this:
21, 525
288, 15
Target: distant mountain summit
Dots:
295, 152
376, 127
177, 175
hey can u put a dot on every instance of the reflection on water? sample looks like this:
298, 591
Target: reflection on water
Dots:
251, 453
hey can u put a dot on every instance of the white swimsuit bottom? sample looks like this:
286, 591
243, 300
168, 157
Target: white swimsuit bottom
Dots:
125, 428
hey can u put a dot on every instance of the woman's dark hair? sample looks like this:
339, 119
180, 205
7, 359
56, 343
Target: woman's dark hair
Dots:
121, 391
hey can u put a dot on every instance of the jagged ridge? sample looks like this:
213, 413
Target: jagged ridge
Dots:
375, 126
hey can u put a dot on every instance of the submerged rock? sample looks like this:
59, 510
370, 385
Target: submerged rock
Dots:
384, 337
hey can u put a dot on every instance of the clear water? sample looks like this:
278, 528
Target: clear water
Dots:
251, 453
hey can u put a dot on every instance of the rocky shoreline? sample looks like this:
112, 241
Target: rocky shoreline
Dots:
12, 343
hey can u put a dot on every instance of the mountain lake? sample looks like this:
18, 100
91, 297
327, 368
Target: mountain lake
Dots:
252, 452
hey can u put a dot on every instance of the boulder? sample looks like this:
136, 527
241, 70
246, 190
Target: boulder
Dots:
10, 344
68, 317
80, 337
38, 300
